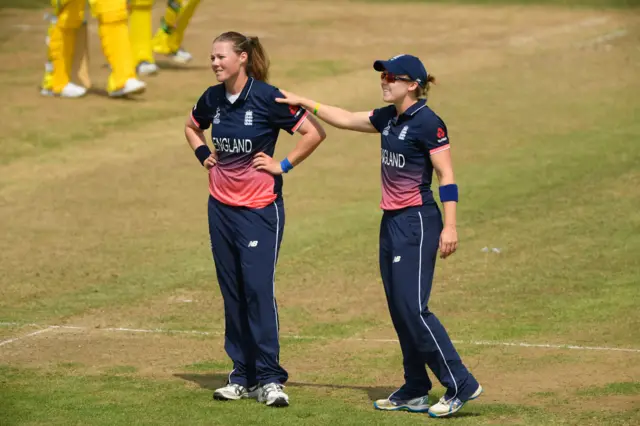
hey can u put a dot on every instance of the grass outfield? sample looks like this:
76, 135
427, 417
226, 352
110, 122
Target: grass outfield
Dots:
554, 3
35, 4
103, 224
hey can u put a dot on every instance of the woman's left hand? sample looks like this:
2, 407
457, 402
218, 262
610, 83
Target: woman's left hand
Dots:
448, 241
262, 161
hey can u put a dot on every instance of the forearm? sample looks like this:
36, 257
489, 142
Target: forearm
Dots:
449, 207
335, 116
450, 213
305, 146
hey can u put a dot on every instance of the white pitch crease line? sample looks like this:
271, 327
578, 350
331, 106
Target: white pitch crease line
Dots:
139, 330
44, 330
159, 330
299, 337
546, 345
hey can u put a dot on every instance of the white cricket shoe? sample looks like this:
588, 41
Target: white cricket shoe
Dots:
415, 405
71, 90
234, 392
181, 56
131, 87
446, 407
273, 396
146, 68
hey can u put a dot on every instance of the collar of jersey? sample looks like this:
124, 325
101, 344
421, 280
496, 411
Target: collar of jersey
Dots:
410, 112
243, 95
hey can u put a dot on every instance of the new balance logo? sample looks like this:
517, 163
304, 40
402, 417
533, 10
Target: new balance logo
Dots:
253, 244
248, 118
397, 259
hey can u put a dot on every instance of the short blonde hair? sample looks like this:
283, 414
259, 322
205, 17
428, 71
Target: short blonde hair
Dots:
423, 92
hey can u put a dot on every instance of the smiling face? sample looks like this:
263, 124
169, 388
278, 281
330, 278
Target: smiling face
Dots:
226, 63
395, 87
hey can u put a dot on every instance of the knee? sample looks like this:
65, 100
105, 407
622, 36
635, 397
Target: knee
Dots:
407, 311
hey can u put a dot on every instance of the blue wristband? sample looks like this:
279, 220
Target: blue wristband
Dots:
286, 165
449, 193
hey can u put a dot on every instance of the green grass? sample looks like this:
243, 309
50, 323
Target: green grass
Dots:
121, 369
557, 3
209, 366
36, 4
622, 388
40, 139
31, 397
317, 69
103, 224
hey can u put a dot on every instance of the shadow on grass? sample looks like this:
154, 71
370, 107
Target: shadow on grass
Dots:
214, 381
103, 93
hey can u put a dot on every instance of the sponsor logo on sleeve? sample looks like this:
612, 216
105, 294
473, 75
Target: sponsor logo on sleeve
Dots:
442, 135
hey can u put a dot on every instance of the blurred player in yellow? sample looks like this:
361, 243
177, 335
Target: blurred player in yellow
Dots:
66, 62
168, 39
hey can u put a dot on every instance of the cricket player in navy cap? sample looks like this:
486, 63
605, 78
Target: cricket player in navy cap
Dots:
246, 210
415, 142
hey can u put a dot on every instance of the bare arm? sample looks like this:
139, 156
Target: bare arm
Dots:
444, 170
312, 135
195, 138
335, 116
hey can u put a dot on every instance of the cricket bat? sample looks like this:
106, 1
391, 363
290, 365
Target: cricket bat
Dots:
80, 68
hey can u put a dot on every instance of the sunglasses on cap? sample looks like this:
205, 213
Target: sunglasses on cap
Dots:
392, 78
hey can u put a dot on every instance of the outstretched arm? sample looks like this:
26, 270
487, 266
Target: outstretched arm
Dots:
335, 116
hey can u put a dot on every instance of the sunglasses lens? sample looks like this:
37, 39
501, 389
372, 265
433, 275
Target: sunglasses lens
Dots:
388, 77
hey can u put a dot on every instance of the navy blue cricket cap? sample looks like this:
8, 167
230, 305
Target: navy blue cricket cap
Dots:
404, 65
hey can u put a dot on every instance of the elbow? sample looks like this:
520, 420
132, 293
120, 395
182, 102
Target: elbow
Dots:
322, 135
316, 131
190, 128
314, 139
